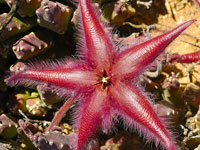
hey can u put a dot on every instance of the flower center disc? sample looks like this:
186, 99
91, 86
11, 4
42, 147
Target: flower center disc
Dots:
103, 79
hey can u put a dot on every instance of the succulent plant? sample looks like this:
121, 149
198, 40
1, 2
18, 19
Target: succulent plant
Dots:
26, 132
18, 102
171, 90
54, 16
26, 7
8, 128
35, 106
191, 94
48, 95
55, 140
117, 12
16, 26
29, 103
168, 111
19, 66
32, 44
24, 35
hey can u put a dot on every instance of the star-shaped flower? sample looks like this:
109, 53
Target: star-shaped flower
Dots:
103, 81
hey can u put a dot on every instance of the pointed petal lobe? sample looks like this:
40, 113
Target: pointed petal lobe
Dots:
135, 105
92, 115
134, 60
67, 77
98, 47
61, 112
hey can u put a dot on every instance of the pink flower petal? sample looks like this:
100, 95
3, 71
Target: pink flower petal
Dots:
96, 44
67, 76
133, 61
131, 101
94, 108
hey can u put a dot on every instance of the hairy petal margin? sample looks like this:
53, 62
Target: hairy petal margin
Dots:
134, 60
136, 106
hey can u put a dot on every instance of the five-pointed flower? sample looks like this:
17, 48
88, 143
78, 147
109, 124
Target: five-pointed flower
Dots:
103, 80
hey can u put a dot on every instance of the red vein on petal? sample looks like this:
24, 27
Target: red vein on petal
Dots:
136, 106
71, 78
92, 115
99, 47
134, 60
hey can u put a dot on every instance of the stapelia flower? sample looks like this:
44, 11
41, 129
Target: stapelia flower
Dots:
103, 81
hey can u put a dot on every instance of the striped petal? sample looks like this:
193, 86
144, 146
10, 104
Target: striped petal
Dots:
131, 62
68, 76
131, 101
97, 48
95, 106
